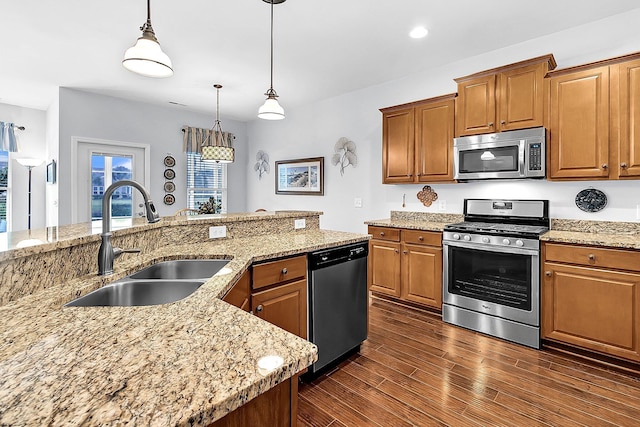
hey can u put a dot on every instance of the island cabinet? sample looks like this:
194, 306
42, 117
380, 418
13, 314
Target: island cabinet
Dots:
591, 299
593, 117
504, 98
240, 294
417, 141
279, 293
407, 265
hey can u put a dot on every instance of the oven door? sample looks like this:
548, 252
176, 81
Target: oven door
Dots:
490, 160
500, 281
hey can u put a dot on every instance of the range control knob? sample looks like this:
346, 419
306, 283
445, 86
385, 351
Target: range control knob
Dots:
467, 237
506, 241
485, 240
519, 242
456, 236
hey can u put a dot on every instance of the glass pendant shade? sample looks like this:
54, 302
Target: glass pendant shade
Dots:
147, 58
271, 110
218, 154
29, 162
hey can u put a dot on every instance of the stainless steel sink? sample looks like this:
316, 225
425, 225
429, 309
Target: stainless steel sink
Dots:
138, 292
182, 269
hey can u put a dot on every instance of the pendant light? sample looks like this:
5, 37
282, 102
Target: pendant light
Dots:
271, 109
218, 146
146, 56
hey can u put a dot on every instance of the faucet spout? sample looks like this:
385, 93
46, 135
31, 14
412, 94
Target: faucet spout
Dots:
107, 253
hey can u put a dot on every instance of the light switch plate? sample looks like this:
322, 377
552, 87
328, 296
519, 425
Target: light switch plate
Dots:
357, 202
218, 232
442, 205
299, 223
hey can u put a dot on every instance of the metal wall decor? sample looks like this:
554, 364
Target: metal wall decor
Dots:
262, 163
345, 154
169, 174
591, 200
427, 196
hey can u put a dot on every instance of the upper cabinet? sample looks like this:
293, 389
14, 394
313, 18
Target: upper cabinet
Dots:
417, 141
593, 112
505, 98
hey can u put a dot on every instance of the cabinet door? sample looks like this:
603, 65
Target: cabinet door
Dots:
397, 146
384, 267
476, 106
422, 274
629, 118
592, 308
284, 306
520, 98
579, 124
434, 141
239, 295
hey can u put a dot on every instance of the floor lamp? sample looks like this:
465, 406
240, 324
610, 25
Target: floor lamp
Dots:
30, 164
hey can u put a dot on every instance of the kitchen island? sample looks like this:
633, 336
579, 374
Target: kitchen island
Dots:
186, 363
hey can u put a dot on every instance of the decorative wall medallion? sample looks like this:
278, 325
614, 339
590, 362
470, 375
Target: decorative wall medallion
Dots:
262, 164
169, 199
169, 173
169, 187
427, 196
591, 200
169, 161
345, 154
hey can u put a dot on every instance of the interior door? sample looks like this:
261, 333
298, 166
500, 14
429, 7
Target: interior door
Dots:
114, 156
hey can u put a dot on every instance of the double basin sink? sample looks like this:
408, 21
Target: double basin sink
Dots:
160, 283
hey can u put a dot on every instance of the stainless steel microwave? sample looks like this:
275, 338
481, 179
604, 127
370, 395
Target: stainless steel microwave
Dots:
505, 155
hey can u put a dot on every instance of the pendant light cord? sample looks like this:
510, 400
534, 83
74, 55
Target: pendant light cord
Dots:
271, 45
148, 10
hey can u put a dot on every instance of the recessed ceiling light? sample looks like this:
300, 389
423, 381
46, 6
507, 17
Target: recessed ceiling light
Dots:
418, 33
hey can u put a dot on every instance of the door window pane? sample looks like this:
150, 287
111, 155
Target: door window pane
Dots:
105, 170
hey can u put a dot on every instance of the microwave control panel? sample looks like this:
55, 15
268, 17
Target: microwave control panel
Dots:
535, 156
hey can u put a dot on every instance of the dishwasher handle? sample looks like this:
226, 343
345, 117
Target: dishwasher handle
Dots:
332, 256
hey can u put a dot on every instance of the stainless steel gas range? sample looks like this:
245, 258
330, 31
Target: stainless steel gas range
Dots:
491, 263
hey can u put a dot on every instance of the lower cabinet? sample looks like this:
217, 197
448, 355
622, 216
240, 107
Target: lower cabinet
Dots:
406, 264
591, 299
240, 294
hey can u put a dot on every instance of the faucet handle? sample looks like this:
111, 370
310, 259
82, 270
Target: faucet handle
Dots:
118, 251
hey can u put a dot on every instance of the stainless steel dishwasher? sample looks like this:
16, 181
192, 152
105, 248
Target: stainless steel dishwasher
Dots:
338, 300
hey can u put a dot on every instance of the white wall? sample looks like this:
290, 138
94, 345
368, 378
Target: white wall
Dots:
313, 130
32, 143
89, 115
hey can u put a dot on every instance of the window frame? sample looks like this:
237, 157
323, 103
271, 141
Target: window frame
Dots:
195, 164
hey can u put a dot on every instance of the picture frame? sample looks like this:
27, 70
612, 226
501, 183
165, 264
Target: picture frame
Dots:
300, 176
51, 172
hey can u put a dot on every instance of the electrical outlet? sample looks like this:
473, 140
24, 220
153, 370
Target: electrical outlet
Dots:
218, 232
357, 202
299, 223
442, 205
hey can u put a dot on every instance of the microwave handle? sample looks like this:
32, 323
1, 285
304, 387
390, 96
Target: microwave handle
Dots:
522, 148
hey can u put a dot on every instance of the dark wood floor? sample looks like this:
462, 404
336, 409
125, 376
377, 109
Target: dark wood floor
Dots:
416, 370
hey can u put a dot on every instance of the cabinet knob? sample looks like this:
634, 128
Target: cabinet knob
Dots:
623, 165
605, 166
285, 271
592, 257
405, 252
503, 122
420, 238
547, 273
382, 233
419, 174
259, 308
396, 251
490, 124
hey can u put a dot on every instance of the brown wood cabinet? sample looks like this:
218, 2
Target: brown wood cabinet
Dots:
591, 299
593, 120
406, 264
504, 98
240, 294
279, 293
417, 141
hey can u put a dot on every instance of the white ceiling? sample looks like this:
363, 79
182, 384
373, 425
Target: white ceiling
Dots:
322, 47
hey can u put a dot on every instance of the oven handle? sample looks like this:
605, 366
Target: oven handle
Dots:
502, 249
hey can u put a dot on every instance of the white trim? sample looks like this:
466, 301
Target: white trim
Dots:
75, 140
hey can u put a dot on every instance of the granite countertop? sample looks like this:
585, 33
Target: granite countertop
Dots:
409, 224
185, 363
629, 240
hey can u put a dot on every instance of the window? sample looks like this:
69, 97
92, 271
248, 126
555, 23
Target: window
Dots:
206, 179
4, 189
105, 170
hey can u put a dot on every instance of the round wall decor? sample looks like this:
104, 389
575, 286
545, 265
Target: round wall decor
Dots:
169, 173
169, 187
169, 161
169, 199
591, 200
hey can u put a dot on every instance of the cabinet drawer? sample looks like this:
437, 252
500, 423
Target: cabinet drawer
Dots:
274, 272
385, 233
592, 256
417, 237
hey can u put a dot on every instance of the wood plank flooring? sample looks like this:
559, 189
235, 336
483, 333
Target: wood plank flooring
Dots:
415, 370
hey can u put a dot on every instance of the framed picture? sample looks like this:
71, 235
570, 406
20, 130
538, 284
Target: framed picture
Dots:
300, 176
51, 172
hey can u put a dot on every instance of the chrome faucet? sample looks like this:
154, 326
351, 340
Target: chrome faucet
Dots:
107, 252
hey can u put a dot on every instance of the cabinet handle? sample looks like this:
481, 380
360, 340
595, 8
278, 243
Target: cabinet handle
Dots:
547, 273
623, 165
605, 166
503, 122
382, 233
284, 270
259, 308
490, 124
592, 257
420, 238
